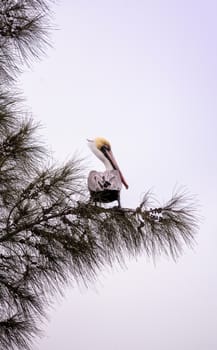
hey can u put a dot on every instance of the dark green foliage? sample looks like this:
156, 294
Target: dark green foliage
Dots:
24, 26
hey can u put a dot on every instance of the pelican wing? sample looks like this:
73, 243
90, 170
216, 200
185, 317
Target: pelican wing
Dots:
107, 180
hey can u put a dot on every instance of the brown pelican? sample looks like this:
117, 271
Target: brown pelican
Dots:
105, 187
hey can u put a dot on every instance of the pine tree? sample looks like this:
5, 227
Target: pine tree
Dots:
49, 232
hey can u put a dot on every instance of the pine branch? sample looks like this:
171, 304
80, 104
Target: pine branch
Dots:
49, 235
24, 28
52, 238
17, 330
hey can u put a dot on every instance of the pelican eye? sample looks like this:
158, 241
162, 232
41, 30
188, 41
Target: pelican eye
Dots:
105, 148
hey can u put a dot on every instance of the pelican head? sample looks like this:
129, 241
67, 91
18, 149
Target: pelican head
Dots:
102, 149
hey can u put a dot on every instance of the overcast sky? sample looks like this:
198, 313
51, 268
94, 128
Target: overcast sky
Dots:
144, 75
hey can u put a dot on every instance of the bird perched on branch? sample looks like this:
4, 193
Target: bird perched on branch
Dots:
105, 186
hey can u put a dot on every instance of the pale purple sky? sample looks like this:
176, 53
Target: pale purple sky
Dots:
144, 75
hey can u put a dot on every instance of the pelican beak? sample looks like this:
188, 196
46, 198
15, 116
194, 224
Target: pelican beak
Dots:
109, 155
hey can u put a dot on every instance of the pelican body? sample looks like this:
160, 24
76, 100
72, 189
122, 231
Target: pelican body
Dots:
105, 186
